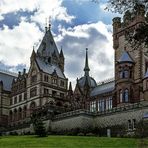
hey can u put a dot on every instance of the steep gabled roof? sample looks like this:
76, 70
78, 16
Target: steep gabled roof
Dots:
125, 57
48, 46
49, 68
7, 77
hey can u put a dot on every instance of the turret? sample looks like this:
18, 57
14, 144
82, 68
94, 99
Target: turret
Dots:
70, 91
124, 79
116, 24
116, 27
33, 56
62, 60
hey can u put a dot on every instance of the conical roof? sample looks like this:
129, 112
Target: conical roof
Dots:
125, 57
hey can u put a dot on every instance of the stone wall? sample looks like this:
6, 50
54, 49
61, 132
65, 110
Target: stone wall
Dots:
83, 119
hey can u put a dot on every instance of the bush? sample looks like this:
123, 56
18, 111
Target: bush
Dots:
90, 134
80, 134
39, 126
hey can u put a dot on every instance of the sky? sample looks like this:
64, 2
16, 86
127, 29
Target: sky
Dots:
75, 24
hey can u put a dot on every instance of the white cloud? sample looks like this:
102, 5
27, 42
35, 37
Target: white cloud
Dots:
98, 38
45, 8
16, 44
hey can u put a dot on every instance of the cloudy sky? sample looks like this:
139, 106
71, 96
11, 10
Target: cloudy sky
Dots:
76, 25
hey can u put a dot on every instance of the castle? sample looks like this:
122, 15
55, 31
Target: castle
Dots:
44, 89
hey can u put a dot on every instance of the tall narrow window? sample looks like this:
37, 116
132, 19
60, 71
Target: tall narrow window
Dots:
129, 124
126, 74
121, 96
126, 95
93, 106
134, 123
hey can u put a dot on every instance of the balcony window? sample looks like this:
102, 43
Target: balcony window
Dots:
93, 106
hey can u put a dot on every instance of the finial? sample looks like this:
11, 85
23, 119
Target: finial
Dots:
86, 49
49, 22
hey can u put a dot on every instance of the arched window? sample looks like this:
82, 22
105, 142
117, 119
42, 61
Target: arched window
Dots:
20, 114
126, 74
121, 95
10, 116
24, 112
15, 115
126, 95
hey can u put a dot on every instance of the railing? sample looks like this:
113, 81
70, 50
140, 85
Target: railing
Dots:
72, 113
99, 113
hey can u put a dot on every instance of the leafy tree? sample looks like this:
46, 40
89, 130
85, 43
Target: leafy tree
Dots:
38, 126
140, 35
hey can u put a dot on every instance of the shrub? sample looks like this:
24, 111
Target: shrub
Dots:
90, 134
39, 126
80, 134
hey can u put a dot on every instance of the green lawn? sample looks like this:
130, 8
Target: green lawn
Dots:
69, 142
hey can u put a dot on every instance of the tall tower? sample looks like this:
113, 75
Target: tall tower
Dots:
130, 63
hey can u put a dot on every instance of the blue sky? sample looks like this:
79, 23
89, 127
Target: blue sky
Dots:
76, 25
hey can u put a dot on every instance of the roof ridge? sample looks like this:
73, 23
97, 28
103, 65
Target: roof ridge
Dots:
8, 72
106, 81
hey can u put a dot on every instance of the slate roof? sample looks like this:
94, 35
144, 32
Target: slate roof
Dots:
7, 78
125, 57
49, 68
146, 74
91, 81
48, 46
103, 88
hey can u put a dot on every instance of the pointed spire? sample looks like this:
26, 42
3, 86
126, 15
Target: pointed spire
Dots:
70, 86
86, 68
61, 53
33, 54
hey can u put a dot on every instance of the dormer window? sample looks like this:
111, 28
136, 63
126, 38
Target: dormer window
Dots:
54, 81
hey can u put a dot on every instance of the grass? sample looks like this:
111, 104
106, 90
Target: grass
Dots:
69, 142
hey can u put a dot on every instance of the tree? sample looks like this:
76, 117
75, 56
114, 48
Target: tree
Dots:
38, 126
139, 36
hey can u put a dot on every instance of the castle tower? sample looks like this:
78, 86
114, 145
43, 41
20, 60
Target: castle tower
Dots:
137, 67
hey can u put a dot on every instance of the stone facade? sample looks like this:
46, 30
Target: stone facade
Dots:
43, 90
